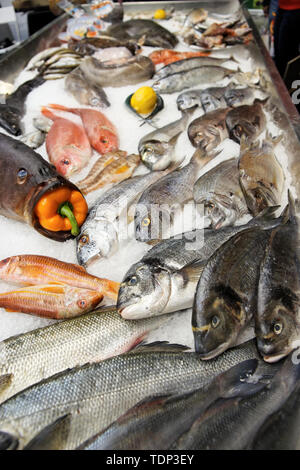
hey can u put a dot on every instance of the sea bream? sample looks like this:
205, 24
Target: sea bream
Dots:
220, 191
209, 130
247, 120
166, 277
277, 322
78, 403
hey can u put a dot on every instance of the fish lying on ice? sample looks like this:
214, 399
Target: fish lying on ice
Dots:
83, 91
209, 130
93, 396
187, 64
248, 120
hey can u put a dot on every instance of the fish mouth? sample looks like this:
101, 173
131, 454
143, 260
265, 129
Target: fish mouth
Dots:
214, 352
276, 357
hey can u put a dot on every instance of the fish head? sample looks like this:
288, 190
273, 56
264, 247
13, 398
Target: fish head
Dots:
239, 96
70, 161
98, 239
155, 155
277, 327
82, 300
243, 127
209, 102
221, 211
107, 141
144, 292
217, 321
188, 100
208, 138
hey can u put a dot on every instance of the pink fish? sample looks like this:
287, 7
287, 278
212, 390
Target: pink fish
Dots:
101, 133
67, 144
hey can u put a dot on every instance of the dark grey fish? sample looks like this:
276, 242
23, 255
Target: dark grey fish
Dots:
277, 323
233, 424
226, 295
157, 422
154, 34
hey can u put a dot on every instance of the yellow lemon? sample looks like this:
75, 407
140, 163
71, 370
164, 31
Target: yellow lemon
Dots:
160, 14
144, 100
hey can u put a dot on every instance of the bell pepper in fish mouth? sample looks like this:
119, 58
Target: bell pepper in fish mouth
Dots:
34, 192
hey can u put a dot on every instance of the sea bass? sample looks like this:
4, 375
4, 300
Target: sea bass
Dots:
157, 422
261, 175
28, 358
226, 295
67, 145
93, 396
220, 192
101, 133
51, 300
187, 64
37, 269
277, 322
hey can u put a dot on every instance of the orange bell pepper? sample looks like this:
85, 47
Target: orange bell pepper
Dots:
62, 209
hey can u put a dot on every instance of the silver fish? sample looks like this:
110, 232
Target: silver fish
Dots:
187, 64
210, 98
83, 91
31, 357
220, 192
81, 401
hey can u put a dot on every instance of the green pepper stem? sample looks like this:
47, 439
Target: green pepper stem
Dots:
65, 210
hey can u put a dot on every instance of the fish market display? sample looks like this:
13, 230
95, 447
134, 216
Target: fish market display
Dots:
277, 319
31, 357
32, 178
94, 395
220, 191
117, 73
261, 175
167, 162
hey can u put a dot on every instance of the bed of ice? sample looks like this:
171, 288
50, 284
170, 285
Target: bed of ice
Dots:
17, 238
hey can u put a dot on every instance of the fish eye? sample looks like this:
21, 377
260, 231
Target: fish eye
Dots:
239, 129
65, 162
146, 222
277, 328
104, 140
81, 303
22, 176
215, 321
132, 281
84, 239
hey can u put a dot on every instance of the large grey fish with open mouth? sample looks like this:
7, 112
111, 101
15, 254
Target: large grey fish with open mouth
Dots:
199, 75
166, 277
247, 120
261, 175
157, 148
277, 323
209, 130
153, 34
31, 357
79, 402
157, 422
233, 424
226, 295
99, 236
220, 191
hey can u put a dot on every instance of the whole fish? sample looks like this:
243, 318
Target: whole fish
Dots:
14, 108
157, 204
84, 92
28, 177
51, 300
209, 130
220, 192
88, 46
153, 34
157, 422
168, 56
247, 120
93, 396
277, 323
187, 64
166, 277
210, 99
119, 73
187, 79
261, 175
280, 431
101, 133
99, 235
226, 295
67, 144
28, 358
157, 148
233, 424
37, 269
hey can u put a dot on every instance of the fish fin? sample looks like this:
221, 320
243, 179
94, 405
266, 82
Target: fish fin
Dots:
5, 381
7, 441
60, 106
53, 436
48, 113
11, 310
159, 346
55, 288
193, 271
266, 214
